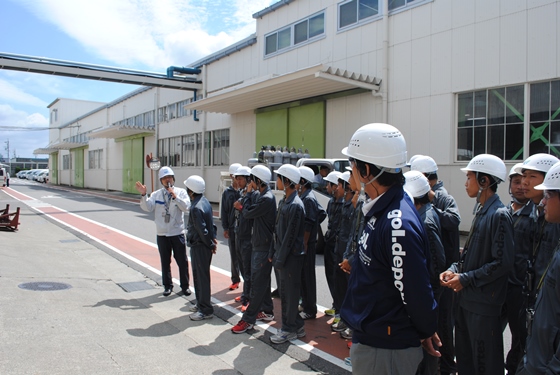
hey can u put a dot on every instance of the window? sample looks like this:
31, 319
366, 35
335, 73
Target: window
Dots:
544, 118
302, 31
172, 110
355, 11
491, 121
95, 158
66, 162
192, 149
174, 152
216, 147
393, 4
164, 151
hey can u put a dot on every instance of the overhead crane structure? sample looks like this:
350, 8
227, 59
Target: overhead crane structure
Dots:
179, 78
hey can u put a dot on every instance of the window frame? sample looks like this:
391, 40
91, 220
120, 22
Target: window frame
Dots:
292, 28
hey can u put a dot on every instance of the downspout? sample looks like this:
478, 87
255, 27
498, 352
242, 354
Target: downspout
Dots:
385, 63
107, 154
204, 120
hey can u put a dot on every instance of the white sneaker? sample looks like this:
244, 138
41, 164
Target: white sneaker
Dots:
283, 336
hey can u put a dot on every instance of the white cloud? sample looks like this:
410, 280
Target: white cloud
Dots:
22, 142
151, 34
12, 93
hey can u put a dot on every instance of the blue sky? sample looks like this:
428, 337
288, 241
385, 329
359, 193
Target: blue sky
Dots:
135, 34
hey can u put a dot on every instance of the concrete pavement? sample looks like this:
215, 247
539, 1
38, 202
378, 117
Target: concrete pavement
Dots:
112, 318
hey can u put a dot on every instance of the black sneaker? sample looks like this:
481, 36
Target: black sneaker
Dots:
167, 291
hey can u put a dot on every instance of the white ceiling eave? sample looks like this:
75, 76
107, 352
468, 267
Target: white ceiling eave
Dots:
277, 89
119, 132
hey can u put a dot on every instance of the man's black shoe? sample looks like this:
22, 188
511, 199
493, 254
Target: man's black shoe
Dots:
186, 292
167, 291
275, 293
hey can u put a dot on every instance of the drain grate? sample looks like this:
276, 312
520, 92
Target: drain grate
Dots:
135, 286
44, 286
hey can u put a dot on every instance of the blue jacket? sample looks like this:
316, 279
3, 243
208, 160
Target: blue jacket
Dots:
227, 212
389, 303
437, 253
201, 229
488, 260
314, 215
449, 218
288, 235
262, 211
244, 225
522, 227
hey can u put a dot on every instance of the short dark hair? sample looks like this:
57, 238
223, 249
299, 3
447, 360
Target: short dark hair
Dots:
493, 180
290, 182
385, 179
424, 199
431, 176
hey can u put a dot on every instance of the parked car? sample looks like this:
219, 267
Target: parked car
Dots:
33, 175
3, 176
43, 176
22, 173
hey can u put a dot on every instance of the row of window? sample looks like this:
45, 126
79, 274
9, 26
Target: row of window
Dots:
494, 121
187, 150
95, 158
350, 13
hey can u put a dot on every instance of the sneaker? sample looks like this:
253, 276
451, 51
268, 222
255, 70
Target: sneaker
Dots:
186, 292
244, 307
347, 361
339, 326
330, 312
194, 308
237, 299
264, 316
336, 319
300, 308
306, 316
200, 316
234, 286
346, 334
241, 326
283, 336
300, 332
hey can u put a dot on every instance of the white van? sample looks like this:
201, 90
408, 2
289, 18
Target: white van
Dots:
3, 176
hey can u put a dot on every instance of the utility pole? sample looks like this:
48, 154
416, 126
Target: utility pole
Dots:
9, 160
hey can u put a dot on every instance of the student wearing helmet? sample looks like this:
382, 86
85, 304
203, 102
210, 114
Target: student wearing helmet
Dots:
513, 311
169, 203
262, 211
227, 213
544, 234
419, 187
543, 349
314, 215
389, 304
333, 213
480, 277
201, 238
342, 239
286, 253
243, 232
448, 211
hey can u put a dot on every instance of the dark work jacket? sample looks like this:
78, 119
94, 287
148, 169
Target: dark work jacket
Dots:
488, 260
449, 218
333, 212
389, 303
357, 228
244, 225
227, 212
262, 211
314, 214
543, 344
201, 229
288, 235
522, 227
345, 228
437, 254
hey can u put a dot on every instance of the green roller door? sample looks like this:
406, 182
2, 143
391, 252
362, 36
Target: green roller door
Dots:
79, 167
133, 163
53, 178
306, 128
296, 126
272, 128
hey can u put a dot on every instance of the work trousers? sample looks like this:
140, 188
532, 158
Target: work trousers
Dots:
309, 281
329, 262
244, 253
235, 270
290, 287
514, 315
340, 278
446, 322
260, 291
201, 257
175, 245
478, 343
367, 360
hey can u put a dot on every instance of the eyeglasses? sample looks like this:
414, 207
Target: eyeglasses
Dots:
548, 194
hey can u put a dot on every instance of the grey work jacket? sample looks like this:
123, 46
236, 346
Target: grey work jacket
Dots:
449, 218
288, 236
262, 211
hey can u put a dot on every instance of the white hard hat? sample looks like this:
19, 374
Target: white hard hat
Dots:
307, 173
538, 162
424, 164
489, 164
414, 157
196, 184
552, 179
233, 168
416, 184
332, 177
382, 145
165, 171
262, 173
242, 171
290, 172
345, 176
514, 170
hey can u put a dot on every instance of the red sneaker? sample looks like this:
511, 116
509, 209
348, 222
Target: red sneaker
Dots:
237, 299
241, 327
234, 286
244, 307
